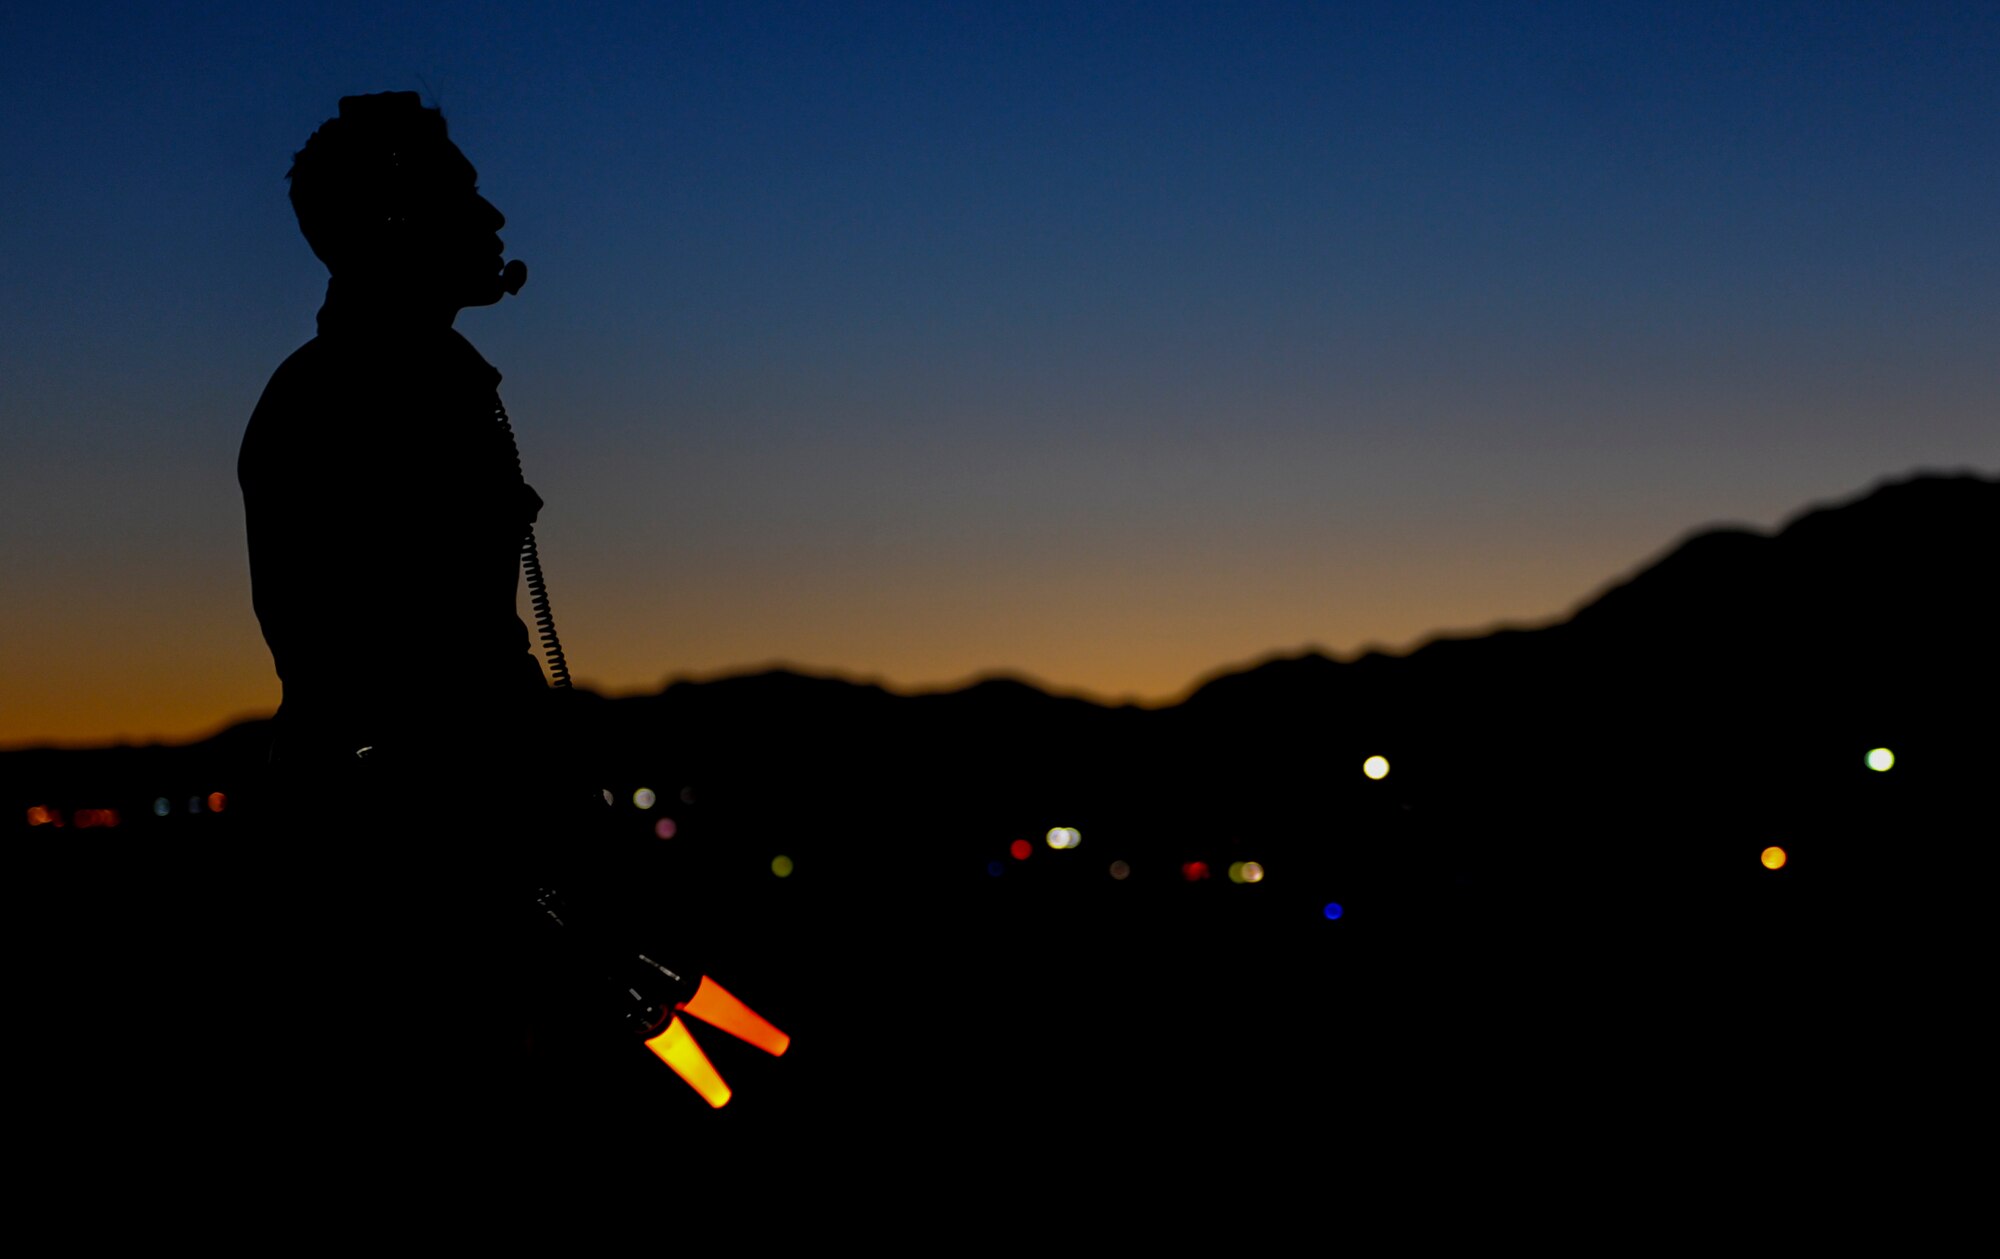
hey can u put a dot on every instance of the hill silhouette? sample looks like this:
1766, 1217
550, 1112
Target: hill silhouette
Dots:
1566, 846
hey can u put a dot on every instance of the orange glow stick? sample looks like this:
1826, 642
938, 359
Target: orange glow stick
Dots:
675, 1046
713, 1005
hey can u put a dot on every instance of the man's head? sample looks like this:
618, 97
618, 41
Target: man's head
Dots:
384, 196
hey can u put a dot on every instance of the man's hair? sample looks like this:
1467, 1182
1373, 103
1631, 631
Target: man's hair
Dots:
361, 170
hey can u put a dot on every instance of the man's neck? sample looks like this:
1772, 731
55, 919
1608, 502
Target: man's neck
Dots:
366, 306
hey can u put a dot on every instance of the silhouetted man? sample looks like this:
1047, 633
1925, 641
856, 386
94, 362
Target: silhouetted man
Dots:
386, 511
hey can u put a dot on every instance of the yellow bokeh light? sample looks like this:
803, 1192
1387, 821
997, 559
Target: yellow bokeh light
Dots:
1252, 872
1064, 837
1376, 767
1881, 760
643, 798
1235, 872
1773, 858
781, 865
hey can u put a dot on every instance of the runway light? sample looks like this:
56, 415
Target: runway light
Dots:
162, 806
665, 828
1252, 872
677, 1049
1064, 837
216, 800
643, 798
1773, 858
1881, 760
781, 865
1020, 849
1120, 871
1376, 767
1333, 910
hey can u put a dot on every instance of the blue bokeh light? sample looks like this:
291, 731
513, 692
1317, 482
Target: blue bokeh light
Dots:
1333, 909
996, 868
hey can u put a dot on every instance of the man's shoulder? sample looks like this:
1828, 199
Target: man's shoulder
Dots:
305, 390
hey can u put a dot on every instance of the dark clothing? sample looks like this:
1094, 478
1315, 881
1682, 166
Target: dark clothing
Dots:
390, 894
385, 511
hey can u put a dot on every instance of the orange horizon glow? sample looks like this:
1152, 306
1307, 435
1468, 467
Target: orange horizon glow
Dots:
677, 1048
716, 1006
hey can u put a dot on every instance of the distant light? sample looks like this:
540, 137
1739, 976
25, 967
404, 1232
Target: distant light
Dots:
1333, 910
781, 865
1881, 760
1064, 837
1773, 858
1235, 872
40, 815
643, 798
606, 793
162, 807
1252, 872
665, 828
1376, 767
1194, 871
996, 868
1020, 849
216, 800
194, 804
1120, 871
687, 795
86, 818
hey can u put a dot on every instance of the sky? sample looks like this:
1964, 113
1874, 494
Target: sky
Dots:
1104, 345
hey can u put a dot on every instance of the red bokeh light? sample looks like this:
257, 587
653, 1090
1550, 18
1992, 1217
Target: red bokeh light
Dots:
1194, 871
1020, 848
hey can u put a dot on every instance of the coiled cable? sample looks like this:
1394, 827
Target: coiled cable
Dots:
531, 569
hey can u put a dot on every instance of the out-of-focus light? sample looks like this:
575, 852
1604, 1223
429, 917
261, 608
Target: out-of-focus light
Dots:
1773, 858
1252, 872
1020, 849
1120, 870
1376, 767
1194, 871
87, 818
194, 804
781, 865
608, 797
676, 1047
1881, 760
1333, 910
162, 807
643, 798
687, 795
1235, 872
1064, 837
41, 815
995, 869
216, 801
665, 828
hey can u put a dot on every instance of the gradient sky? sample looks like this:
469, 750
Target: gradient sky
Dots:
1104, 344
